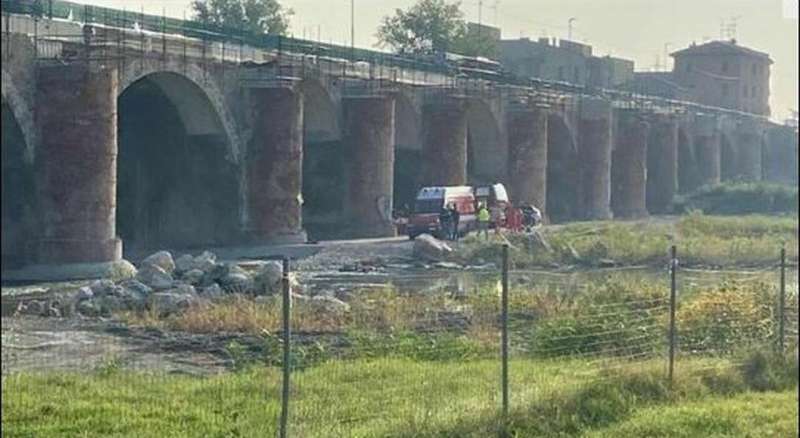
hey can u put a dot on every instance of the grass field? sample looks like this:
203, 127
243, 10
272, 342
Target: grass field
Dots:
399, 397
702, 241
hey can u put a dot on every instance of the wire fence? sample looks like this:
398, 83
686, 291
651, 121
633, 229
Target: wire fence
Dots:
380, 360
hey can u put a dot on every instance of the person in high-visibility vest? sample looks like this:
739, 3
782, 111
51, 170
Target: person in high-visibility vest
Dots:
483, 220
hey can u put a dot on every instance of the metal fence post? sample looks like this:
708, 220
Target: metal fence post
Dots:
672, 298
286, 348
782, 305
504, 330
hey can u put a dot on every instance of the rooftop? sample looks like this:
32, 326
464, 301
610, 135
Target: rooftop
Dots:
720, 47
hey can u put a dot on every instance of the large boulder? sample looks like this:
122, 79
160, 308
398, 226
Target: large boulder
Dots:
121, 270
268, 279
193, 276
427, 247
184, 263
328, 304
205, 261
237, 282
168, 303
134, 294
101, 288
155, 277
162, 259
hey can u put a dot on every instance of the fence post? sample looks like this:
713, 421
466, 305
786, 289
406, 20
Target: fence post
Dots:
504, 330
286, 289
782, 304
673, 267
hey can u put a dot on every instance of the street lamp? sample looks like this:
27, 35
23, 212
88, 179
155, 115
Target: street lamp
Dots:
569, 25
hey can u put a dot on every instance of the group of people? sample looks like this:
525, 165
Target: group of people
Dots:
448, 221
513, 219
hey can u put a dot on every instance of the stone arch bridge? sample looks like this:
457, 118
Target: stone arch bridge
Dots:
158, 140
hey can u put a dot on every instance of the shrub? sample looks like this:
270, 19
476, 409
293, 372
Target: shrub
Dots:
727, 319
740, 198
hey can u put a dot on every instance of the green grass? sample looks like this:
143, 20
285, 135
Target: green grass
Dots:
755, 415
387, 397
740, 198
702, 241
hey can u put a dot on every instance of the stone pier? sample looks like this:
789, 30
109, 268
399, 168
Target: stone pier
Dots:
274, 166
444, 144
662, 163
527, 141
780, 155
369, 146
629, 167
76, 172
707, 147
594, 152
749, 134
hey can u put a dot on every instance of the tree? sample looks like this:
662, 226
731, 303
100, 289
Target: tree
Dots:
432, 26
428, 26
255, 16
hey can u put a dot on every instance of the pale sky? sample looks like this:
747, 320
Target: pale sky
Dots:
633, 29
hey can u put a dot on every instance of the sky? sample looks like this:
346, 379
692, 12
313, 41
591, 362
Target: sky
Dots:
640, 30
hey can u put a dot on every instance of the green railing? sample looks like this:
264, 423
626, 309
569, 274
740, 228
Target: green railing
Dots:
61, 9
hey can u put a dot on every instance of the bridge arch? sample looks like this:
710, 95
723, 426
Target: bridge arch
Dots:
18, 107
688, 171
203, 113
562, 170
177, 180
728, 157
18, 187
408, 149
487, 154
323, 161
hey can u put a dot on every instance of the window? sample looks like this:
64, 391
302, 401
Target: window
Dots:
753, 91
688, 67
576, 73
754, 69
725, 90
561, 73
744, 90
725, 66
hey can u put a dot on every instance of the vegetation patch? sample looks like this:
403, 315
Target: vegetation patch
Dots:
740, 198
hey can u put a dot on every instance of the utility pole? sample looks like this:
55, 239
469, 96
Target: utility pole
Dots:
352, 24
569, 26
666, 56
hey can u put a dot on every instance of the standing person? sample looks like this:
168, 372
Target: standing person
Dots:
444, 223
512, 218
483, 220
454, 218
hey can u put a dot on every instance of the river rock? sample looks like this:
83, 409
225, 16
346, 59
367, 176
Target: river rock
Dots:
84, 293
88, 308
267, 280
236, 282
212, 292
155, 277
168, 303
446, 265
162, 259
101, 288
205, 262
193, 277
121, 270
328, 304
184, 263
426, 247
